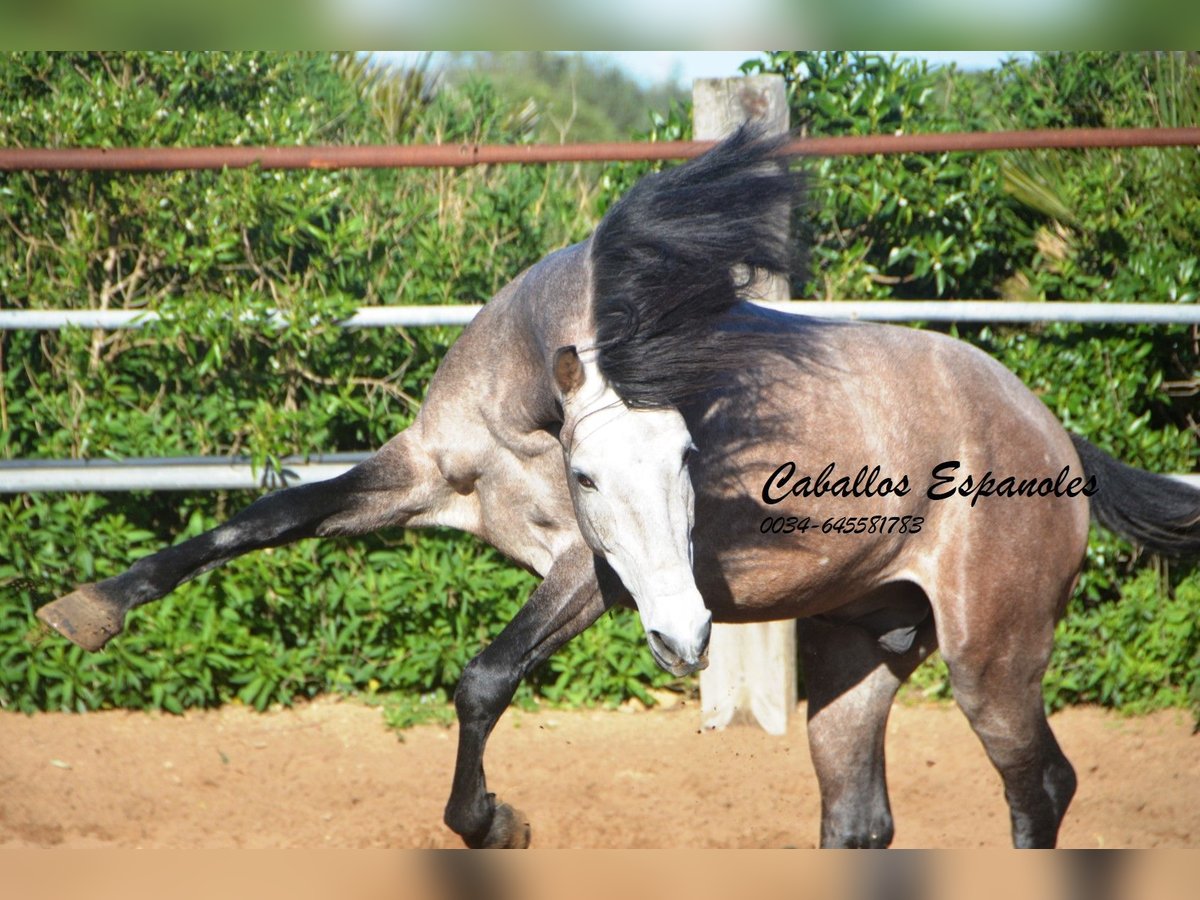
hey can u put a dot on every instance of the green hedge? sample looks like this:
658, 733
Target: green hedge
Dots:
394, 614
397, 615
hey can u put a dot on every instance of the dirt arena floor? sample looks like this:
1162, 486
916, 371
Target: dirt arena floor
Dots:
328, 774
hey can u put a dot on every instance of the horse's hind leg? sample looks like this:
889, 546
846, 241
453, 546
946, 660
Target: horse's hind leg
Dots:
380, 491
851, 681
996, 673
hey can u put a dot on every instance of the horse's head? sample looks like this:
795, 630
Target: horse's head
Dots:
667, 269
628, 474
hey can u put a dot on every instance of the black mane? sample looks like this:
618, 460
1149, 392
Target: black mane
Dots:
664, 261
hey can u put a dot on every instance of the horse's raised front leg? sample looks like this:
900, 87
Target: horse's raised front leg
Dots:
387, 489
852, 679
565, 603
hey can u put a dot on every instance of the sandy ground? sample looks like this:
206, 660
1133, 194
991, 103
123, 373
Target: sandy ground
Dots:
329, 774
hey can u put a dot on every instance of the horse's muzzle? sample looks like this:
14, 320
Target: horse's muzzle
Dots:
678, 659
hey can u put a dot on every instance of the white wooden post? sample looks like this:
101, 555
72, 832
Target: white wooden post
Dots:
751, 675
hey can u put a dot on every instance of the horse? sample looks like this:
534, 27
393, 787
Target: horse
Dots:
623, 422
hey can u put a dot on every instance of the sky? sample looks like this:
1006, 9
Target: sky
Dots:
654, 66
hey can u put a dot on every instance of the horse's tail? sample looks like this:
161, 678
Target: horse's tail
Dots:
1160, 513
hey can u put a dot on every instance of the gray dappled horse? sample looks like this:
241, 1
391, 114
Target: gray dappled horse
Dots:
895, 489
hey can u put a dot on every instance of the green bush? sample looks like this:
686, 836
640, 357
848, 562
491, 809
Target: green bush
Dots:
217, 253
396, 616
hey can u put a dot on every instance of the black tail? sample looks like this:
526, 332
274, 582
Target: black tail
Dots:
1158, 512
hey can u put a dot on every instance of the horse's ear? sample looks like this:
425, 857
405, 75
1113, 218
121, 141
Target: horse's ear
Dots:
568, 370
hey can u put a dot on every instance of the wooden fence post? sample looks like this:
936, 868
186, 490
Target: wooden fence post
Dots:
751, 674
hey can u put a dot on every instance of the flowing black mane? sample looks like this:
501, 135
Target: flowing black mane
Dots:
664, 263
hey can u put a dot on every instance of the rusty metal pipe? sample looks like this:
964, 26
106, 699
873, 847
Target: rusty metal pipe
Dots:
163, 159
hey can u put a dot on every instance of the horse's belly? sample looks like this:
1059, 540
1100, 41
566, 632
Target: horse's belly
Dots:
789, 574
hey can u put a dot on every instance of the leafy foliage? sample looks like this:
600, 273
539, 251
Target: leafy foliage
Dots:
564, 96
396, 616
219, 253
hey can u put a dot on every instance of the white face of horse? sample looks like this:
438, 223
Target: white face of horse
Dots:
632, 492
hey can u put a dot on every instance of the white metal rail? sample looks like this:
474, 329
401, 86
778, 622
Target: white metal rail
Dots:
974, 311
167, 473
113, 319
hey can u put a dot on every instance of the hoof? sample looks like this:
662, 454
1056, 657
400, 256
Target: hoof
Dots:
83, 617
509, 831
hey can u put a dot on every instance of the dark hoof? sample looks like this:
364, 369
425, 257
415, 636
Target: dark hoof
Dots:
83, 617
509, 831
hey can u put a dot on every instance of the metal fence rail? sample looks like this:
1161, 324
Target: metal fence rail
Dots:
168, 473
167, 159
112, 319
974, 311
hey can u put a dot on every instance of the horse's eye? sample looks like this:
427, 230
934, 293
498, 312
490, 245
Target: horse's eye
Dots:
689, 453
584, 481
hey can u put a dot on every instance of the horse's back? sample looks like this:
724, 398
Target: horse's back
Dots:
884, 424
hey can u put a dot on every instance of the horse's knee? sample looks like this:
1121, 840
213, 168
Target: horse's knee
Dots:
483, 690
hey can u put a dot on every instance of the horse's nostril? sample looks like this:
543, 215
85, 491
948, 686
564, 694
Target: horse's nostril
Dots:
665, 648
668, 655
705, 637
